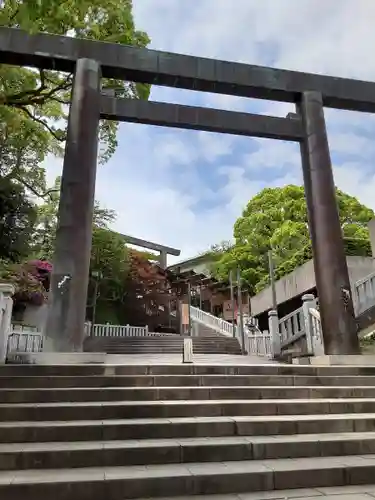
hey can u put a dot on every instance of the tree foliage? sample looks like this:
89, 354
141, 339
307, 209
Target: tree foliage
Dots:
132, 288
46, 223
277, 219
33, 103
17, 219
148, 293
110, 258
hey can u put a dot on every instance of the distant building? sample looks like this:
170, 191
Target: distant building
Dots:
207, 293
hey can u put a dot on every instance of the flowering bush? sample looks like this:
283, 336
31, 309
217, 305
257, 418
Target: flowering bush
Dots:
30, 279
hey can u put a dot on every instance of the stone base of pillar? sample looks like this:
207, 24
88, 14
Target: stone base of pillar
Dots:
337, 360
59, 358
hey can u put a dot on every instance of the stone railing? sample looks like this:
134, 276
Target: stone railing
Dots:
299, 331
292, 327
104, 330
21, 339
303, 326
256, 343
364, 294
213, 322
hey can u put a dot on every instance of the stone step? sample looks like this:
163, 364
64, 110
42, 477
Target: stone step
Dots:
186, 479
166, 339
159, 340
353, 492
162, 345
180, 393
56, 455
18, 382
165, 345
165, 350
184, 369
183, 427
96, 410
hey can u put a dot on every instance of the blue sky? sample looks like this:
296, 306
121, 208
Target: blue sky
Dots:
186, 188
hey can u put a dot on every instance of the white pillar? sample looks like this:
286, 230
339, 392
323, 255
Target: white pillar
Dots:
273, 322
6, 308
308, 302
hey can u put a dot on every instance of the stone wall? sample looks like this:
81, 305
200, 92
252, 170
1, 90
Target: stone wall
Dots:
302, 280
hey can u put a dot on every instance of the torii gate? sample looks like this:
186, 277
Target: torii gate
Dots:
163, 250
92, 60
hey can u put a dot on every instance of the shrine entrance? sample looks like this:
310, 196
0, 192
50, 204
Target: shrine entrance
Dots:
92, 60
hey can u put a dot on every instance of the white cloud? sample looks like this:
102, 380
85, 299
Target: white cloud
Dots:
273, 155
158, 187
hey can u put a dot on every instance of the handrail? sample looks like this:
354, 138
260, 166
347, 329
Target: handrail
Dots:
314, 312
364, 279
290, 315
291, 326
364, 293
207, 319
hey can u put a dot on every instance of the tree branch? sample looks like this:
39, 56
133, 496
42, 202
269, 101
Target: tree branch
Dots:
61, 101
28, 186
15, 174
35, 92
37, 96
42, 122
14, 15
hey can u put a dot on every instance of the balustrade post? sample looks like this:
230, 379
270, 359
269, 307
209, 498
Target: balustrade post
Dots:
6, 306
268, 342
264, 344
308, 302
273, 323
195, 329
318, 345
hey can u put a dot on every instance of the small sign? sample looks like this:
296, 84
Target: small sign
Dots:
227, 310
184, 314
187, 353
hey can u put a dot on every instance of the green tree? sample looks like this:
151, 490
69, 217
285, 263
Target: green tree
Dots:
24, 144
109, 257
45, 227
33, 103
17, 219
277, 219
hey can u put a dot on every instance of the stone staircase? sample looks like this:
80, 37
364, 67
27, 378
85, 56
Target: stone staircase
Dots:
117, 432
163, 344
201, 330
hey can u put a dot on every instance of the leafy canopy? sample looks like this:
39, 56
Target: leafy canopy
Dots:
276, 219
17, 219
33, 104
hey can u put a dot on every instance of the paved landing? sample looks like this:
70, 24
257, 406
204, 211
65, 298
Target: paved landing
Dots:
335, 493
172, 359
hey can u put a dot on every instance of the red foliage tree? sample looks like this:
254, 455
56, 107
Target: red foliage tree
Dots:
148, 293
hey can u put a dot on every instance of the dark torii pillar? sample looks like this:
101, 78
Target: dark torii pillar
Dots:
331, 271
71, 261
